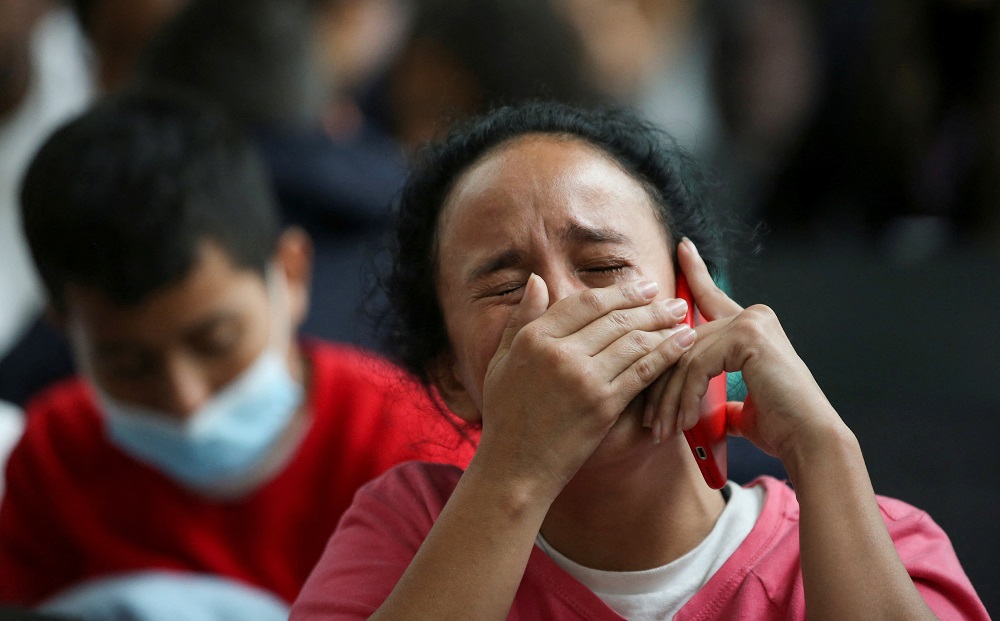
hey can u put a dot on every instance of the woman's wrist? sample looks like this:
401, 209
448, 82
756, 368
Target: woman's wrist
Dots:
821, 448
524, 493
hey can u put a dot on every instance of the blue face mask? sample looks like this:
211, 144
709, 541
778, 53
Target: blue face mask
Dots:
226, 438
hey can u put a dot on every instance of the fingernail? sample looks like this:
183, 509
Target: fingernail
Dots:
531, 279
647, 288
687, 240
657, 428
680, 422
677, 308
685, 338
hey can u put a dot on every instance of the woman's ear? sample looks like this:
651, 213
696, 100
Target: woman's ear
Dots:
451, 388
294, 257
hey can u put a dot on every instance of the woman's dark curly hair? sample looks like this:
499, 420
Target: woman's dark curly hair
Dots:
416, 333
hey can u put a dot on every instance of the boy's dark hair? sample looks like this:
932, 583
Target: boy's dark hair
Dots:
415, 332
122, 198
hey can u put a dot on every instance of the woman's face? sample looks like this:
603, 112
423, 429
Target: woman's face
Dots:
540, 204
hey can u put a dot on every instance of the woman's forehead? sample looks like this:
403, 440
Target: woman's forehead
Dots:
541, 175
528, 149
543, 195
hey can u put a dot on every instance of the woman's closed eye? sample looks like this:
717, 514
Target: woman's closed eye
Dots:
508, 288
511, 287
613, 270
505, 288
607, 269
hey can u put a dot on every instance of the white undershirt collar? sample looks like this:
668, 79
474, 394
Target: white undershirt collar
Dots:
659, 593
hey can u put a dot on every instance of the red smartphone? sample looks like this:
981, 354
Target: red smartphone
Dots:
707, 439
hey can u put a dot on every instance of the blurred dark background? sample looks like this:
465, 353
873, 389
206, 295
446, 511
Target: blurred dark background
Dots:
854, 148
907, 355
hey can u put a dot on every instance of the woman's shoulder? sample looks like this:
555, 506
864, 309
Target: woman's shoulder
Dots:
923, 546
419, 475
766, 567
895, 513
900, 517
375, 541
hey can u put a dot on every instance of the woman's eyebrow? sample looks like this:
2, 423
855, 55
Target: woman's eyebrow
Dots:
581, 233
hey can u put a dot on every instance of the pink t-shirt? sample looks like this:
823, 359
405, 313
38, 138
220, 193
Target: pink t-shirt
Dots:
381, 532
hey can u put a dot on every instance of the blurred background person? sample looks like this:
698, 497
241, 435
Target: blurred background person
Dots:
264, 62
873, 120
336, 172
462, 58
735, 81
898, 154
653, 55
202, 438
43, 80
268, 64
767, 85
78, 48
11, 428
358, 40
118, 31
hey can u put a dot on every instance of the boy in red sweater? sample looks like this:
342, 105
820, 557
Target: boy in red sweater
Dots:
202, 438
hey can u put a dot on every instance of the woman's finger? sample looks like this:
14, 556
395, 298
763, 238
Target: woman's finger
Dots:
531, 307
659, 316
708, 297
679, 405
649, 415
644, 371
653, 395
741, 420
573, 313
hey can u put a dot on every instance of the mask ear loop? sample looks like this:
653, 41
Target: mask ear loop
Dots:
276, 286
81, 351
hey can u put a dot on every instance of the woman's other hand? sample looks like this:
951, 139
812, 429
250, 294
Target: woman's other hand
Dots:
785, 407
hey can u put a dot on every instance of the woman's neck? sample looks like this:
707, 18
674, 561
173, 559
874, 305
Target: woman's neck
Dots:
636, 515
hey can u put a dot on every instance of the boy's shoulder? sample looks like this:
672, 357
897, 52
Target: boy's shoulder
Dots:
348, 376
366, 403
64, 414
350, 363
64, 445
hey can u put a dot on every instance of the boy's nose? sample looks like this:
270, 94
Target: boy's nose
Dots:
186, 389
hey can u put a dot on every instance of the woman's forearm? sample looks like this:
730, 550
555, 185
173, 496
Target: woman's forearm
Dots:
472, 561
850, 567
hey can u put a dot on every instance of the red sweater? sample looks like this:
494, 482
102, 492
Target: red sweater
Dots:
392, 515
76, 507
